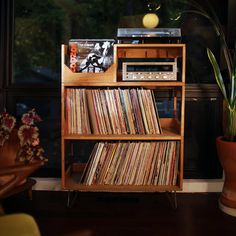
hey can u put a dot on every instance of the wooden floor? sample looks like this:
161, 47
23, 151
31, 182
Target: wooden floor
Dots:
124, 214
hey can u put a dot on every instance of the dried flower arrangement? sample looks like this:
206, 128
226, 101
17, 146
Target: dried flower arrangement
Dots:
28, 134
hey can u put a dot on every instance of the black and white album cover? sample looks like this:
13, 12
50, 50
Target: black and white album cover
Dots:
90, 55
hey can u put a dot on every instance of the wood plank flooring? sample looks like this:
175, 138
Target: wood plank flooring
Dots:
121, 214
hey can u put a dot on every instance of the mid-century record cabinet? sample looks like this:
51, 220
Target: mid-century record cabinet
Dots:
135, 145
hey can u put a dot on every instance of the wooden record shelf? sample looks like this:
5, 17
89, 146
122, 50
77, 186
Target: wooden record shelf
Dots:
172, 128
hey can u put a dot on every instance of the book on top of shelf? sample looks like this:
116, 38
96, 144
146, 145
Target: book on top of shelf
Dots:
90, 55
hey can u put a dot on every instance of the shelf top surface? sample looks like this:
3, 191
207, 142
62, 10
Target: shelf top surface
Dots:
171, 45
127, 84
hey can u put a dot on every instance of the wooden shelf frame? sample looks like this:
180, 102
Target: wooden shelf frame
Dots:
171, 130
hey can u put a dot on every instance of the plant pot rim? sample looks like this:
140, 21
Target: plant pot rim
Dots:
220, 139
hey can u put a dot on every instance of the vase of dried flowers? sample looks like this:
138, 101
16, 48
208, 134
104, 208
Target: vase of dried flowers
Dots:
20, 143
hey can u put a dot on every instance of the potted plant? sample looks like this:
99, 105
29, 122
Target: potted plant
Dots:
226, 144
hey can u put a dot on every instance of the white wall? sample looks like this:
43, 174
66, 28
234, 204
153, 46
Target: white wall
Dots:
189, 185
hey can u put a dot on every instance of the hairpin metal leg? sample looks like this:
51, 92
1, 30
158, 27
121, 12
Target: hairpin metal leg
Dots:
71, 197
172, 199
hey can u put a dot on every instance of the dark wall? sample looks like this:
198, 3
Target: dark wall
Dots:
231, 26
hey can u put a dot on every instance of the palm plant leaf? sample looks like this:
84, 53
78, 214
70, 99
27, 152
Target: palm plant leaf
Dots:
212, 17
233, 84
227, 88
217, 72
232, 89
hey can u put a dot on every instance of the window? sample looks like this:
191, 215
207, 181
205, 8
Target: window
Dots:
39, 30
32, 32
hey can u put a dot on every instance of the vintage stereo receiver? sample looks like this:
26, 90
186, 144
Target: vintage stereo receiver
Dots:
149, 71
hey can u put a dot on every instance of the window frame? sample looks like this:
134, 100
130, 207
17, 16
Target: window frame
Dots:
8, 90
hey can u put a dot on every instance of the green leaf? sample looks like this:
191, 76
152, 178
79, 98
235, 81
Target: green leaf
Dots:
217, 73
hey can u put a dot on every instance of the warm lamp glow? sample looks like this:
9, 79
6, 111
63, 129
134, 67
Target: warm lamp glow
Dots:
150, 20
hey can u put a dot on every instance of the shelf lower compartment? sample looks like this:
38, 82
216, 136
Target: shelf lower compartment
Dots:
73, 175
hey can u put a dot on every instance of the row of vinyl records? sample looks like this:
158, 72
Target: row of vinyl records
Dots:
111, 111
133, 163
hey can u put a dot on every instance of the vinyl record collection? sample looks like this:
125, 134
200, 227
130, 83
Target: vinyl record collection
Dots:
111, 111
133, 163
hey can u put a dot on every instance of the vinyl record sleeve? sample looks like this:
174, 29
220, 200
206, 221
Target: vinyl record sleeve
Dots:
90, 55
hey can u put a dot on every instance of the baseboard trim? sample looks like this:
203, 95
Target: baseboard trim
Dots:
203, 185
189, 185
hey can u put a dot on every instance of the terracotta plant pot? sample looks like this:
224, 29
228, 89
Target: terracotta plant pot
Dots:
227, 155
